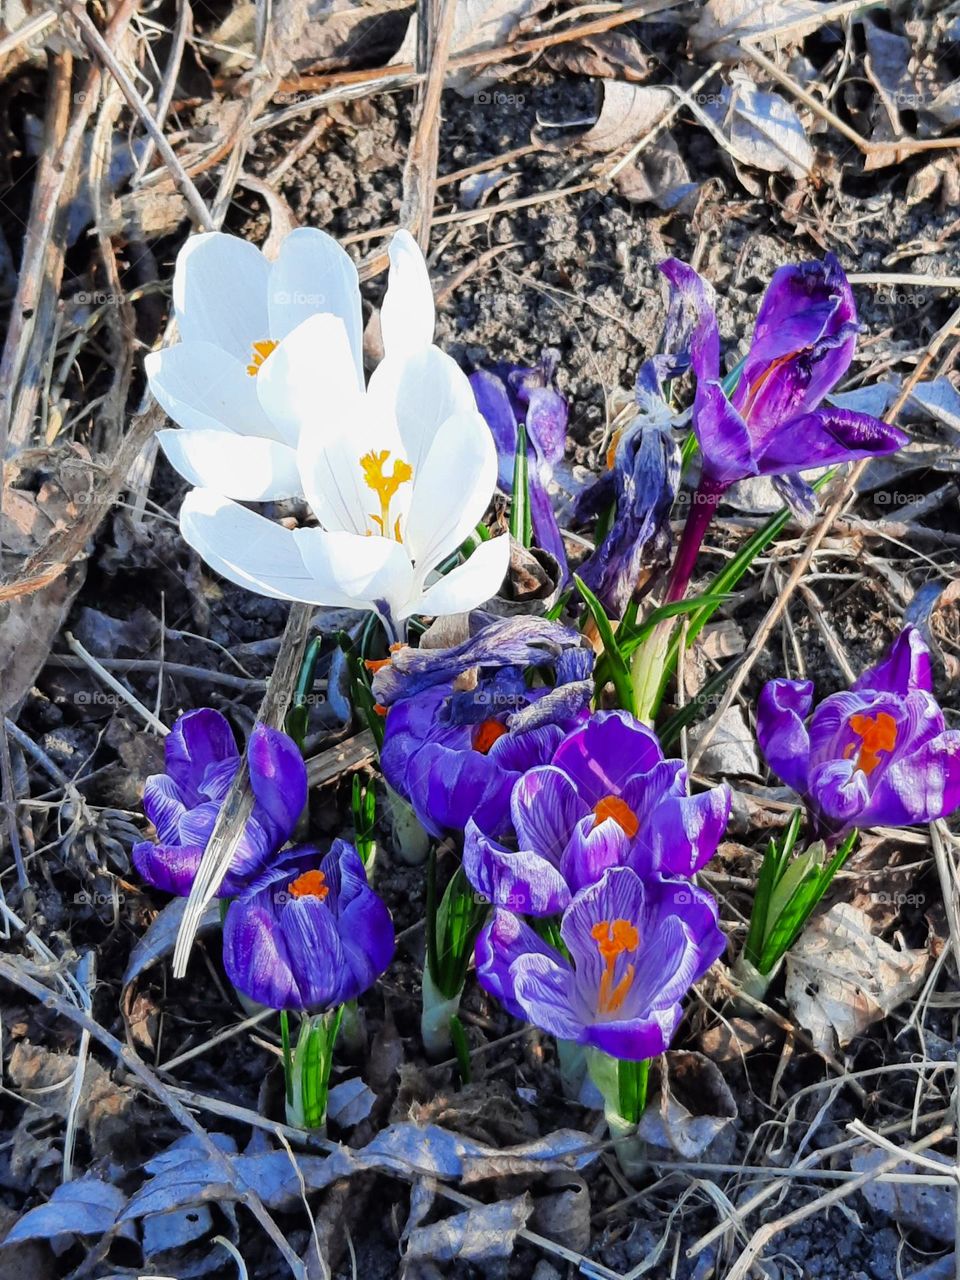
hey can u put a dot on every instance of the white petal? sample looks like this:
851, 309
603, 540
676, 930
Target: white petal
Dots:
407, 317
352, 570
308, 387
451, 491
246, 548
466, 586
201, 387
422, 390
308, 384
220, 293
313, 274
246, 468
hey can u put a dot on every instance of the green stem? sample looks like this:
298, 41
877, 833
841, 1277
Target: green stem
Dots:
287, 1054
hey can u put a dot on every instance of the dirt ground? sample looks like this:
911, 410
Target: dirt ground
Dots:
576, 272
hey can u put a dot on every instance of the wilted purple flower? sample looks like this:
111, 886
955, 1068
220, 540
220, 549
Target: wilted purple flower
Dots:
607, 798
183, 803
646, 470
509, 395
878, 754
454, 756
309, 933
773, 423
635, 945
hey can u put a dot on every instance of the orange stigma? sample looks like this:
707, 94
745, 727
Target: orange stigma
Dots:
260, 352
771, 368
876, 733
617, 809
613, 938
312, 884
373, 466
486, 733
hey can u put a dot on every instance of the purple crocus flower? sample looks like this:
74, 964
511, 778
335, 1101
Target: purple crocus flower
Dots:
309, 933
774, 422
607, 798
455, 756
183, 803
635, 945
877, 754
509, 395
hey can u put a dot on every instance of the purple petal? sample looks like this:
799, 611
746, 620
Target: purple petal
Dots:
691, 308
921, 787
451, 787
543, 988
171, 868
163, 805
826, 436
905, 668
546, 530
523, 882
546, 424
364, 923
500, 942
255, 955
725, 440
517, 752
278, 779
197, 740
683, 831
494, 404
695, 907
638, 1039
608, 750
317, 959
802, 343
781, 711
546, 807
839, 793
594, 847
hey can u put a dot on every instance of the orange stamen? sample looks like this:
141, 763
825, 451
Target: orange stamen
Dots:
379, 709
767, 373
876, 733
312, 884
377, 664
617, 809
260, 352
486, 733
373, 466
613, 938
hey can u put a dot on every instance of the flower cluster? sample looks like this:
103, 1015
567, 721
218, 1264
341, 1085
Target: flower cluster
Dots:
302, 930
531, 747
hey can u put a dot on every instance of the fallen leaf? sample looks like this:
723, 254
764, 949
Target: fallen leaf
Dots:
766, 132
940, 399
83, 1207
723, 24
691, 1106
159, 939
731, 749
477, 25
627, 112
480, 1235
660, 176
610, 54
841, 979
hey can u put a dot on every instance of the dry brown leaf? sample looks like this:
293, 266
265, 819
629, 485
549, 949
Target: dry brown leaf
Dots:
477, 25
841, 978
628, 112
724, 23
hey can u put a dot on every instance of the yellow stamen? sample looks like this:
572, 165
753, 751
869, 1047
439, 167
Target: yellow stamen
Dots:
385, 487
312, 884
617, 809
613, 938
876, 733
260, 352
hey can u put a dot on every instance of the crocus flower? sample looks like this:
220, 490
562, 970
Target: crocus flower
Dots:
774, 422
607, 798
397, 475
233, 307
510, 395
309, 933
454, 756
634, 947
646, 471
183, 803
878, 754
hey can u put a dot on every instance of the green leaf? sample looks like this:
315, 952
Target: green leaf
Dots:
452, 929
461, 1048
632, 1080
521, 519
619, 672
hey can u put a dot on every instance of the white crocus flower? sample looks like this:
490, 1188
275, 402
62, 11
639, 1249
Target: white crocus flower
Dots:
233, 308
397, 476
